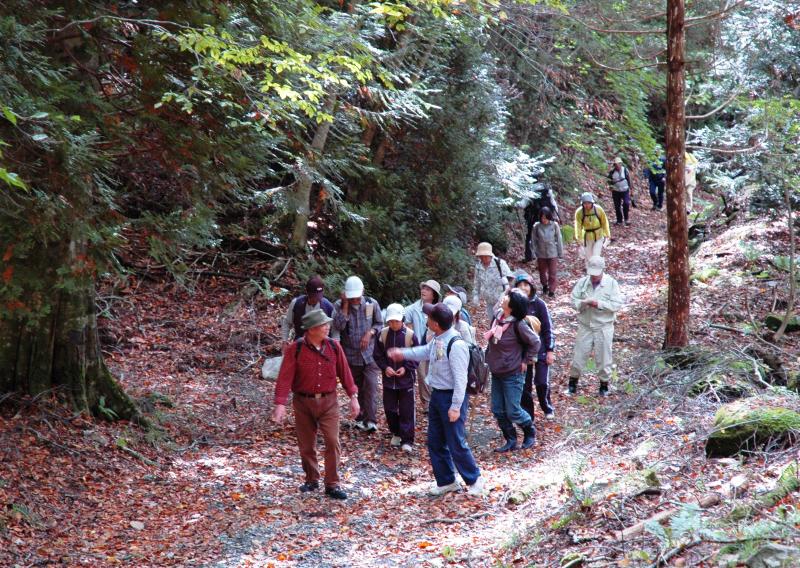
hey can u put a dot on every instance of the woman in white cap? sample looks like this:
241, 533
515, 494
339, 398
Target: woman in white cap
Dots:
491, 278
429, 293
591, 227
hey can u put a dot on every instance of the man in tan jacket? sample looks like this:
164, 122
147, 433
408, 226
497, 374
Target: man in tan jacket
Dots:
597, 299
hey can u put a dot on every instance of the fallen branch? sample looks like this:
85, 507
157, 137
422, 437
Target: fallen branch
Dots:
139, 456
705, 502
664, 558
457, 519
46, 440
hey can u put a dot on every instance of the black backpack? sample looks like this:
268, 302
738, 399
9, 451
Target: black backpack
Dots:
477, 370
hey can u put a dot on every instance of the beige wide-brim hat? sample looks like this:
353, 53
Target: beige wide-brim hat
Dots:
617, 160
314, 318
433, 285
484, 249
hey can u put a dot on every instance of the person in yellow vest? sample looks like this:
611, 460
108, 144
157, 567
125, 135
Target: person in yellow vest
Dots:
591, 227
690, 180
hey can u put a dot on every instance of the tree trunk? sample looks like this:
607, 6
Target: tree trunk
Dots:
787, 199
677, 325
60, 350
304, 173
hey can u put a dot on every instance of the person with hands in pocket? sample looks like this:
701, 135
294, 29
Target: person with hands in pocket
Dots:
309, 370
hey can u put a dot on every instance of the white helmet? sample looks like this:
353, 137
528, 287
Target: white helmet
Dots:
353, 287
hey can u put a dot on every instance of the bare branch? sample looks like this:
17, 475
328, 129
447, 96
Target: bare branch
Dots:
716, 110
157, 24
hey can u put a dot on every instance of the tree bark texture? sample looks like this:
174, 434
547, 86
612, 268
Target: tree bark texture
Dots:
677, 324
60, 350
304, 173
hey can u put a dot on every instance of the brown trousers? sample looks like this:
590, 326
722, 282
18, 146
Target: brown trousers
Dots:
548, 272
311, 415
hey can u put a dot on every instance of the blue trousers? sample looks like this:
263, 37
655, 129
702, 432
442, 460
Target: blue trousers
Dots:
506, 398
447, 441
657, 193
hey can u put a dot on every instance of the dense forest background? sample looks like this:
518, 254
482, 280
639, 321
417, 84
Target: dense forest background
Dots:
172, 172
376, 138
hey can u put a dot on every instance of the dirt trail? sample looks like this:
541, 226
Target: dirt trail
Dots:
219, 485
389, 520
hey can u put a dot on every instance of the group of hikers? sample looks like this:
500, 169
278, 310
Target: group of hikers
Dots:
430, 345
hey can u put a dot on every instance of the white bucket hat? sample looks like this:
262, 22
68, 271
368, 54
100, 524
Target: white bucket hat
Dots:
587, 198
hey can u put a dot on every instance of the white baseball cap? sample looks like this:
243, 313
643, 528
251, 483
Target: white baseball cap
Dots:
395, 312
595, 266
353, 287
454, 303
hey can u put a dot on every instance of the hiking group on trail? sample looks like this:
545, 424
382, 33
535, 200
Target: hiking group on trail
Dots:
431, 345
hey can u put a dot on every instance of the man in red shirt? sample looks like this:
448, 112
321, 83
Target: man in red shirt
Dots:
309, 369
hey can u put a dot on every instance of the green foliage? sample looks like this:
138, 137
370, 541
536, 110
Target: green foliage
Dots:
105, 411
267, 290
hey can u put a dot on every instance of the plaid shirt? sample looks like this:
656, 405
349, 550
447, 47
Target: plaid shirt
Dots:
353, 327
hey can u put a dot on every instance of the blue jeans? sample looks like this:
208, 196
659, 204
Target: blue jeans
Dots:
447, 442
506, 397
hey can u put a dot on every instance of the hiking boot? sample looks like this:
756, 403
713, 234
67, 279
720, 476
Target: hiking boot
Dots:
371, 427
572, 387
309, 486
510, 434
551, 294
477, 488
396, 441
627, 223
530, 436
437, 490
603, 391
335, 493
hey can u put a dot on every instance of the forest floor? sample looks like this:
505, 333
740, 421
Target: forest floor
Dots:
216, 483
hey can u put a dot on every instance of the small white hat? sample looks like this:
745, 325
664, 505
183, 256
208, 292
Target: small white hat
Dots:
484, 249
395, 312
454, 303
587, 198
595, 266
353, 287
617, 160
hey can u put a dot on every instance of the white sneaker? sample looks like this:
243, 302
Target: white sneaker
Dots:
476, 488
437, 490
396, 441
407, 448
371, 427
360, 425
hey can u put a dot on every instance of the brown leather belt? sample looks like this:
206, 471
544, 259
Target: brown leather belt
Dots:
315, 395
